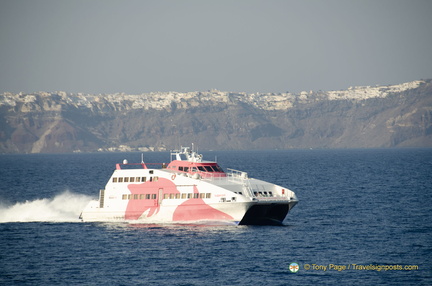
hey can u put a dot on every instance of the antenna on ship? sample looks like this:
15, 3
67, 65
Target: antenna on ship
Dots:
142, 158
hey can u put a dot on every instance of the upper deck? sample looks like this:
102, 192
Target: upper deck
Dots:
189, 162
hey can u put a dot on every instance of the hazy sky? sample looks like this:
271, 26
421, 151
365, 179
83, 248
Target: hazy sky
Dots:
108, 46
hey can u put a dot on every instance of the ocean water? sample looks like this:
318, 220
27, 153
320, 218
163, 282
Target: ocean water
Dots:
363, 215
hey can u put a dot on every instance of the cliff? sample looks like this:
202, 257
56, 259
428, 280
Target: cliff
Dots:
359, 117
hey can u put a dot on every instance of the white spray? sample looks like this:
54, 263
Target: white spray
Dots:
65, 207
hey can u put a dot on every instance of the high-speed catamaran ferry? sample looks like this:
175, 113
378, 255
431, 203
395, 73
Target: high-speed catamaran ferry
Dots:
188, 190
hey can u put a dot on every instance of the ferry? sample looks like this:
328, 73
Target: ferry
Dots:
188, 190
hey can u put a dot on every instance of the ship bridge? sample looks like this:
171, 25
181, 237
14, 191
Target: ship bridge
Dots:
190, 162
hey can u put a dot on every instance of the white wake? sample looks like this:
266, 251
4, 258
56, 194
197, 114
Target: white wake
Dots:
65, 207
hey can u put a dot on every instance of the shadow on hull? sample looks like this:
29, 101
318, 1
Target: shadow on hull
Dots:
271, 214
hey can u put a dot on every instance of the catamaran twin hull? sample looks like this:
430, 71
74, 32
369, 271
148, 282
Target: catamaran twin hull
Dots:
189, 190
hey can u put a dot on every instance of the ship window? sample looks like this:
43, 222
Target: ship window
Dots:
196, 195
240, 193
183, 196
155, 178
177, 196
151, 172
132, 179
124, 197
120, 180
141, 197
271, 194
150, 179
126, 179
180, 168
172, 196
143, 179
166, 196
208, 195
194, 169
147, 197
201, 168
137, 179
153, 196
114, 180
129, 197
186, 169
209, 169
135, 197
202, 195
189, 196
219, 169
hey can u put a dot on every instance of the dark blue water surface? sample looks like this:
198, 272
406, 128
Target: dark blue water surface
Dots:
367, 208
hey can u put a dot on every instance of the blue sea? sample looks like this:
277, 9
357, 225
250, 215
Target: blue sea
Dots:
364, 218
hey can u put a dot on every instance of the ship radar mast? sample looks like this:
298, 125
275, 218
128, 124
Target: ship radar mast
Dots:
187, 154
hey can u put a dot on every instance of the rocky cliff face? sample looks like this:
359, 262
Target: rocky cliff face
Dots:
360, 117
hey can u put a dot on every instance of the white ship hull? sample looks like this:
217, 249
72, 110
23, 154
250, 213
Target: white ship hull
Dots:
179, 195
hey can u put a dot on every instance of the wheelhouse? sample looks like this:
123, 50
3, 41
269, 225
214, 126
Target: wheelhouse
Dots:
205, 169
190, 162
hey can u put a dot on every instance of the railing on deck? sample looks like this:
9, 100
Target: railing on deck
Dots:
231, 175
253, 191
123, 166
237, 175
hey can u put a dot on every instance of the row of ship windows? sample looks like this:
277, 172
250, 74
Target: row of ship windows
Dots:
198, 168
263, 194
167, 196
259, 194
139, 197
134, 179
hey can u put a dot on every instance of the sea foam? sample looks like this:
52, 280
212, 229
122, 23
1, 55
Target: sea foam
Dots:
65, 207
